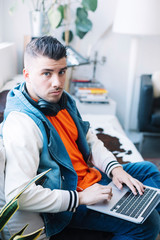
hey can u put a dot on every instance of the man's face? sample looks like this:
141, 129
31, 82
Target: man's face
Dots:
45, 78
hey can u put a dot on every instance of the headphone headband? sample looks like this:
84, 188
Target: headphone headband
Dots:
47, 108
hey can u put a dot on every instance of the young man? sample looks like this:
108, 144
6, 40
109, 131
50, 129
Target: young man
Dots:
43, 129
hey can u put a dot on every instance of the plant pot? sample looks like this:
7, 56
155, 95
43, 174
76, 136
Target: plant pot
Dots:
39, 23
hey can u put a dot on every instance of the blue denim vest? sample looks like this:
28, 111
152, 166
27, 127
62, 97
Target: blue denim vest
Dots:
54, 154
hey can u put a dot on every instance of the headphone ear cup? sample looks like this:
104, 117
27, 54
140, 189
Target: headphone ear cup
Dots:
50, 109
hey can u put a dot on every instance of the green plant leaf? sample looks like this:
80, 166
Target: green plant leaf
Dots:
11, 207
80, 34
7, 212
37, 177
13, 7
90, 4
61, 9
81, 13
84, 25
19, 233
70, 36
11, 10
54, 17
31, 236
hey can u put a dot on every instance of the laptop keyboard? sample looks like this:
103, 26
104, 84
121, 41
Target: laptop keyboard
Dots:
132, 205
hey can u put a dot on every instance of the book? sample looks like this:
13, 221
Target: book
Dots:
91, 98
93, 90
88, 91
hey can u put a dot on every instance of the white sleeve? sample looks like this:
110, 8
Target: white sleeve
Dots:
102, 158
23, 143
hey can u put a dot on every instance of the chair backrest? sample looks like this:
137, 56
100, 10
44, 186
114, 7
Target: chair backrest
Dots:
148, 106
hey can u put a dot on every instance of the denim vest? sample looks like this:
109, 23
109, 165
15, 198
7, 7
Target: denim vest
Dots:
54, 154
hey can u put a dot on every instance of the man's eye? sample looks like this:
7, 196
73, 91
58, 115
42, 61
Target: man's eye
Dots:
47, 74
62, 72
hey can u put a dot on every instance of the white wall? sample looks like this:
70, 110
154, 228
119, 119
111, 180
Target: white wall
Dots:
113, 74
1, 19
16, 26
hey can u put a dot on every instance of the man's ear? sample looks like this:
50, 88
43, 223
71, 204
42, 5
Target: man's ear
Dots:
26, 75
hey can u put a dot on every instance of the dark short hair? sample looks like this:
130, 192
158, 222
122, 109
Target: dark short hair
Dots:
47, 46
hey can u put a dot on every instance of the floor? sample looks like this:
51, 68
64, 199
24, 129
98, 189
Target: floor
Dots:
151, 147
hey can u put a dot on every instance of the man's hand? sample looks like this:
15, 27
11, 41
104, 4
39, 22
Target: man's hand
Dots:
120, 176
94, 194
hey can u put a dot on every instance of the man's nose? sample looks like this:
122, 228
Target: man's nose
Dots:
55, 81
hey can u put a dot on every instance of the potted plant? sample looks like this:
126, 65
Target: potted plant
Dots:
70, 15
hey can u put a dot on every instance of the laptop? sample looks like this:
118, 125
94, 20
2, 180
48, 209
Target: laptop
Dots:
125, 205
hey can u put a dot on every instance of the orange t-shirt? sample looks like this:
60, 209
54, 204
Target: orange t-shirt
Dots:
68, 133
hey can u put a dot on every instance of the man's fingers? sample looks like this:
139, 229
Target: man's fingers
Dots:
138, 185
118, 183
106, 189
121, 177
106, 192
131, 186
94, 194
134, 185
